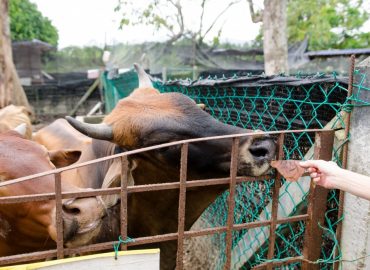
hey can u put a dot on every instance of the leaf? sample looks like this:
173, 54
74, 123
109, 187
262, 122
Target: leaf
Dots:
289, 169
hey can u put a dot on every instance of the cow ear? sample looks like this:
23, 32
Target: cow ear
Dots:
62, 158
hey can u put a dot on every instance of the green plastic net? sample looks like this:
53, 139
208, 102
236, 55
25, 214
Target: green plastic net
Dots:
271, 106
274, 103
118, 87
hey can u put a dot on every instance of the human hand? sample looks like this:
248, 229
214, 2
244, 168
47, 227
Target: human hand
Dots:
323, 173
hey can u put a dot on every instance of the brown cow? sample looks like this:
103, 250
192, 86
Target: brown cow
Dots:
28, 227
12, 116
147, 118
61, 135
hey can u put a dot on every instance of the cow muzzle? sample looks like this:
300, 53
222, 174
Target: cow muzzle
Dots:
255, 155
262, 149
82, 219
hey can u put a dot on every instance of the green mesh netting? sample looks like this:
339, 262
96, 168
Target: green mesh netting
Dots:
277, 104
272, 107
118, 87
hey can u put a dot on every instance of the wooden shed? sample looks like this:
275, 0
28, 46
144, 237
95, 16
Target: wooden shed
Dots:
27, 60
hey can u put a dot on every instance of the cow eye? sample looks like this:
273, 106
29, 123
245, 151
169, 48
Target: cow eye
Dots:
118, 150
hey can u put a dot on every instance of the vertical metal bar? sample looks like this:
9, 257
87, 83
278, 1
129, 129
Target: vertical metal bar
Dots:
123, 209
182, 204
231, 200
317, 204
59, 215
338, 233
275, 204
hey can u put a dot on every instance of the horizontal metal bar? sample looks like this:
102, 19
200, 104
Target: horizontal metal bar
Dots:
131, 189
28, 257
145, 149
142, 240
293, 219
203, 232
279, 263
27, 198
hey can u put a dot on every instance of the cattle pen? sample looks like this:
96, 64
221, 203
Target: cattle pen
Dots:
315, 211
300, 105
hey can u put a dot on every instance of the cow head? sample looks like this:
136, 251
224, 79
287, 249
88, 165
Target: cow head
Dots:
31, 224
148, 117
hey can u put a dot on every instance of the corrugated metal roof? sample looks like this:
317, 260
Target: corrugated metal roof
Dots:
310, 54
33, 43
333, 53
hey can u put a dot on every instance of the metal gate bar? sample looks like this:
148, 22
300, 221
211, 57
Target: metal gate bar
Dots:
231, 201
59, 217
315, 214
123, 208
275, 202
182, 202
317, 204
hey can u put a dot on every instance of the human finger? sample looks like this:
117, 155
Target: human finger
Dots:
315, 174
308, 163
316, 179
312, 169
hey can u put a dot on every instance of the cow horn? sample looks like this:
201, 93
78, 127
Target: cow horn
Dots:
96, 131
144, 79
21, 129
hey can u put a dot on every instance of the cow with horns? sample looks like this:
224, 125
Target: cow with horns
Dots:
148, 117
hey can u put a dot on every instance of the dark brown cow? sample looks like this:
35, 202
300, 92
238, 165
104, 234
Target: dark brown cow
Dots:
28, 227
147, 118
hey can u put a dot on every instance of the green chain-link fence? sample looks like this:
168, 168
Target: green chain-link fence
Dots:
279, 103
273, 103
118, 87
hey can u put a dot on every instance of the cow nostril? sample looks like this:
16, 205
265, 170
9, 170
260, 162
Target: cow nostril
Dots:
71, 210
259, 152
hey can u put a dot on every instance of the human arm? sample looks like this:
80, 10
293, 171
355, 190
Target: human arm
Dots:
329, 175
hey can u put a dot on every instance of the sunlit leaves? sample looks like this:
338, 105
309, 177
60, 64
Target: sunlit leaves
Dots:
27, 23
330, 24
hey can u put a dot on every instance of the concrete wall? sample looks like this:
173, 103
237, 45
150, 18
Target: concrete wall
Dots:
356, 224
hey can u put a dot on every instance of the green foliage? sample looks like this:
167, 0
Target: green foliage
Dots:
330, 24
133, 14
27, 23
170, 16
74, 58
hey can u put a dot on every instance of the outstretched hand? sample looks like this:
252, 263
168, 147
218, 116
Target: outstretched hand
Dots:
329, 175
322, 172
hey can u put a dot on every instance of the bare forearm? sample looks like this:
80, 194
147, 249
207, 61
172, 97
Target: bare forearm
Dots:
354, 183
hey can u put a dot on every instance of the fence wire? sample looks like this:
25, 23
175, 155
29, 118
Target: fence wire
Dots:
268, 104
271, 107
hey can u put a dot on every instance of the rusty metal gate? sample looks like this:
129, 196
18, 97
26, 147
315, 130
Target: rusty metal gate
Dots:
314, 216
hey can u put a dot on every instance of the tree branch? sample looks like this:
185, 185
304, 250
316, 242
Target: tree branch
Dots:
201, 18
180, 21
201, 37
256, 16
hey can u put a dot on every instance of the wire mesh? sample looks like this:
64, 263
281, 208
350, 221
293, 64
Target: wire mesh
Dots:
272, 107
268, 104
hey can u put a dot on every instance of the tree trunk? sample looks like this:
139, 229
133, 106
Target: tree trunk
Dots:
275, 43
11, 91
